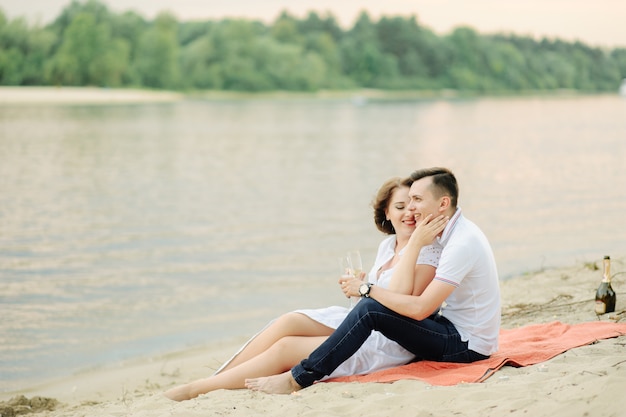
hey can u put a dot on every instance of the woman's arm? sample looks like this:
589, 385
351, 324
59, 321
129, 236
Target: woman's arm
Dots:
426, 294
407, 277
424, 274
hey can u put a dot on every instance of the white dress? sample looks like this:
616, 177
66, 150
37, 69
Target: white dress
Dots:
377, 352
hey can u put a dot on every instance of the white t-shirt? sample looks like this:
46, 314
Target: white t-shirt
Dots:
467, 262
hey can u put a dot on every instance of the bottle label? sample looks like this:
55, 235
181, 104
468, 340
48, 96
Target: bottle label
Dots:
600, 307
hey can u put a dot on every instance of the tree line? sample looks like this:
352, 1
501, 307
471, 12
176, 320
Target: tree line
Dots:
88, 45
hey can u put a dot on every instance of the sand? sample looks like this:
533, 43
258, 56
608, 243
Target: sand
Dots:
585, 381
81, 95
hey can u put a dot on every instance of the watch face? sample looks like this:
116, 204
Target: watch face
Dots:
363, 289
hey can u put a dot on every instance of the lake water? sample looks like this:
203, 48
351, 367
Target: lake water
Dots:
133, 230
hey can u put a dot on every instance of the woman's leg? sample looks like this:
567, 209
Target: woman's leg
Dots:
290, 324
281, 356
432, 339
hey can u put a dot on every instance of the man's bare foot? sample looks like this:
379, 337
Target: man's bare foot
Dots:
276, 384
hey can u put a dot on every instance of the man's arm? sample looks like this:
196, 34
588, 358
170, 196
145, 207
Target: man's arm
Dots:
417, 307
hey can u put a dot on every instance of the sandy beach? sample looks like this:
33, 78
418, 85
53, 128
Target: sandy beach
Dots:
82, 95
583, 381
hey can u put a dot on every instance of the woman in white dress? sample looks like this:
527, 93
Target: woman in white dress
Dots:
293, 336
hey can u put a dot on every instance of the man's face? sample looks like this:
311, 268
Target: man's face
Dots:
423, 202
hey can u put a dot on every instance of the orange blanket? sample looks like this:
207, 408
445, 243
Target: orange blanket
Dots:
518, 347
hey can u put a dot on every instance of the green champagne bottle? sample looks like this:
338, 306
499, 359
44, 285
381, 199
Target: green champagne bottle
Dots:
605, 296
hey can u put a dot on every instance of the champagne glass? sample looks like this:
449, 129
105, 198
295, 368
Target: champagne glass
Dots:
345, 269
345, 266
355, 262
356, 267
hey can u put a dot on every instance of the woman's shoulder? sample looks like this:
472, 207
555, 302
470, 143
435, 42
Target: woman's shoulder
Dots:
386, 248
388, 241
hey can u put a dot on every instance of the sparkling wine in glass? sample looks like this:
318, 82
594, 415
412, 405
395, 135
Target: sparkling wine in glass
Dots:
345, 266
356, 267
345, 270
355, 262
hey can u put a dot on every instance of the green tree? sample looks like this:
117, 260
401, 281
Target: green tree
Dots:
89, 55
605, 71
197, 59
13, 41
323, 45
156, 58
316, 24
421, 55
40, 46
285, 30
93, 7
468, 64
400, 38
232, 62
23, 52
11, 64
619, 57
128, 28
505, 64
362, 58
320, 37
287, 67
188, 32
89, 45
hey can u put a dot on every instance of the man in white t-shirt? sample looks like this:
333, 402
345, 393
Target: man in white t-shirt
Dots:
455, 319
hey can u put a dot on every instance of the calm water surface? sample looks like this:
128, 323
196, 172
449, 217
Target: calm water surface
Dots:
132, 230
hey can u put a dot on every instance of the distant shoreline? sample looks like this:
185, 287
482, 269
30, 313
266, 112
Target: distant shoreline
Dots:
82, 95
96, 95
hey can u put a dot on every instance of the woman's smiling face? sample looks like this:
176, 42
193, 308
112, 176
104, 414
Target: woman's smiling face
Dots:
398, 213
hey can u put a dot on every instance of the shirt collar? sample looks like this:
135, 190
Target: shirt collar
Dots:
449, 227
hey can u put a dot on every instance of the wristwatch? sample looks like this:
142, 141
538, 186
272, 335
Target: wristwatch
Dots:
364, 289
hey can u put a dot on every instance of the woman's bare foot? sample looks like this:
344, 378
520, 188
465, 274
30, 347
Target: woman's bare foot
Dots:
180, 393
276, 384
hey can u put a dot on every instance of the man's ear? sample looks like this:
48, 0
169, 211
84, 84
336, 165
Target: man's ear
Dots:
444, 203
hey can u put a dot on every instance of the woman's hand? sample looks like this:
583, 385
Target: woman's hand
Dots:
350, 285
428, 229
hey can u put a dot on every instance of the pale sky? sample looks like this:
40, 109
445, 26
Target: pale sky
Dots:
594, 22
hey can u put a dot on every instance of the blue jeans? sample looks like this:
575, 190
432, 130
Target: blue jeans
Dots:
434, 338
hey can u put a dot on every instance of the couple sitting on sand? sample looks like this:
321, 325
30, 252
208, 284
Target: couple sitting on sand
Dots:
433, 294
